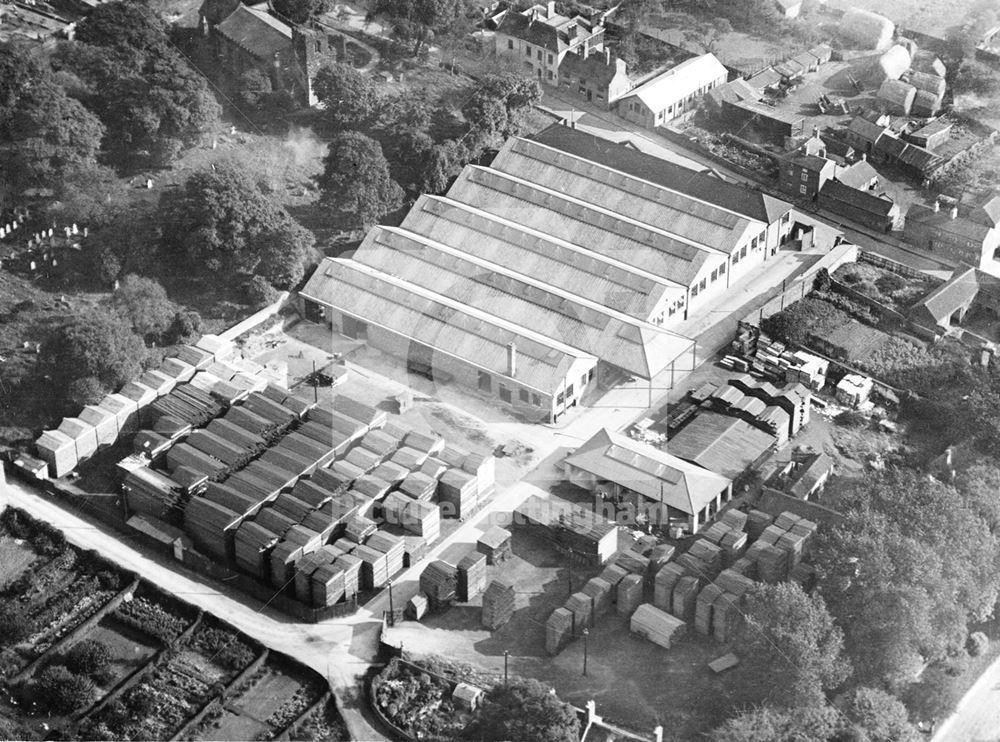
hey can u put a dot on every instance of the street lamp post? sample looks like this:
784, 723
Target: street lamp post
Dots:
586, 633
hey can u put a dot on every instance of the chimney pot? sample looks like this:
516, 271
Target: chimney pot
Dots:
551, 8
954, 212
607, 56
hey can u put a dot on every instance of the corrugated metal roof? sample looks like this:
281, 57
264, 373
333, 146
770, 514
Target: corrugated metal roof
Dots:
612, 283
700, 185
649, 471
441, 324
517, 298
592, 227
702, 224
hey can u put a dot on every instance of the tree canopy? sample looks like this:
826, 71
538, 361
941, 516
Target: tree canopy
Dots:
767, 724
355, 178
912, 563
48, 136
144, 304
95, 344
88, 657
791, 648
301, 11
62, 690
495, 108
349, 97
525, 710
221, 220
880, 716
421, 20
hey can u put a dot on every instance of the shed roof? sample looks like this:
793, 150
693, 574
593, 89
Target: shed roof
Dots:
720, 443
679, 82
858, 175
864, 200
865, 129
649, 471
955, 293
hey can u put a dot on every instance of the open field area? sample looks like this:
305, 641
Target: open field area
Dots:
15, 558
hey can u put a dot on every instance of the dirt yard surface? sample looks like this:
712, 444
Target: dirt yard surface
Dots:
15, 557
130, 649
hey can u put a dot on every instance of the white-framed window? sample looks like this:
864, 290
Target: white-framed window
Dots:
802, 190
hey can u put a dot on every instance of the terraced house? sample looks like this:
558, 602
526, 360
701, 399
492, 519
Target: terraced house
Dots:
536, 277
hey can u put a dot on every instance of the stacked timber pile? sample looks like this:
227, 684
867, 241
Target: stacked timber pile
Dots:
392, 547
84, 436
709, 554
184, 454
230, 497
359, 528
292, 507
495, 544
362, 458
408, 459
150, 492
303, 573
233, 433
600, 595
310, 492
655, 625
704, 607
126, 411
374, 570
483, 468
103, 421
417, 607
326, 520
459, 490
287, 461
57, 450
352, 573
371, 486
308, 539
414, 550
498, 603
427, 443
685, 596
233, 455
252, 543
439, 582
283, 557
273, 521
419, 486
660, 555
559, 630
471, 576
253, 423
663, 585
380, 443
420, 518
338, 422
613, 574
267, 408
334, 440
211, 526
366, 414
187, 403
328, 584
582, 608
389, 471
628, 594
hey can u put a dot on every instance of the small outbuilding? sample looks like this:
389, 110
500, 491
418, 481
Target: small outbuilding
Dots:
467, 697
897, 97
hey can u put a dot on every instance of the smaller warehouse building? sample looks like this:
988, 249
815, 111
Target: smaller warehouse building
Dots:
644, 484
720, 443
673, 94
862, 206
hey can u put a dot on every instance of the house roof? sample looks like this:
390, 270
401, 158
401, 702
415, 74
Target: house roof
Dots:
256, 31
738, 89
865, 129
751, 203
555, 33
764, 79
891, 146
772, 113
864, 200
814, 163
723, 444
987, 212
930, 83
858, 175
595, 68
961, 226
932, 128
649, 471
679, 82
822, 52
950, 296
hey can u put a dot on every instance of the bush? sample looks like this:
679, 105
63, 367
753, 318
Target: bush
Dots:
978, 643
890, 283
89, 657
63, 691
259, 292
225, 648
851, 419
935, 696
87, 390
14, 623
186, 325
850, 278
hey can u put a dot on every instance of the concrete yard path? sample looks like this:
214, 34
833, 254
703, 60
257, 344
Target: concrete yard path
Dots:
977, 718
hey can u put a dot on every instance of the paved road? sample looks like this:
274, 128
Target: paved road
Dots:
977, 718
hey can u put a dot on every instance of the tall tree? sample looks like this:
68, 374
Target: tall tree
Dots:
349, 97
20, 70
880, 716
213, 220
144, 303
526, 710
421, 20
96, 344
126, 25
49, 136
302, 11
355, 178
766, 724
495, 108
285, 254
791, 647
